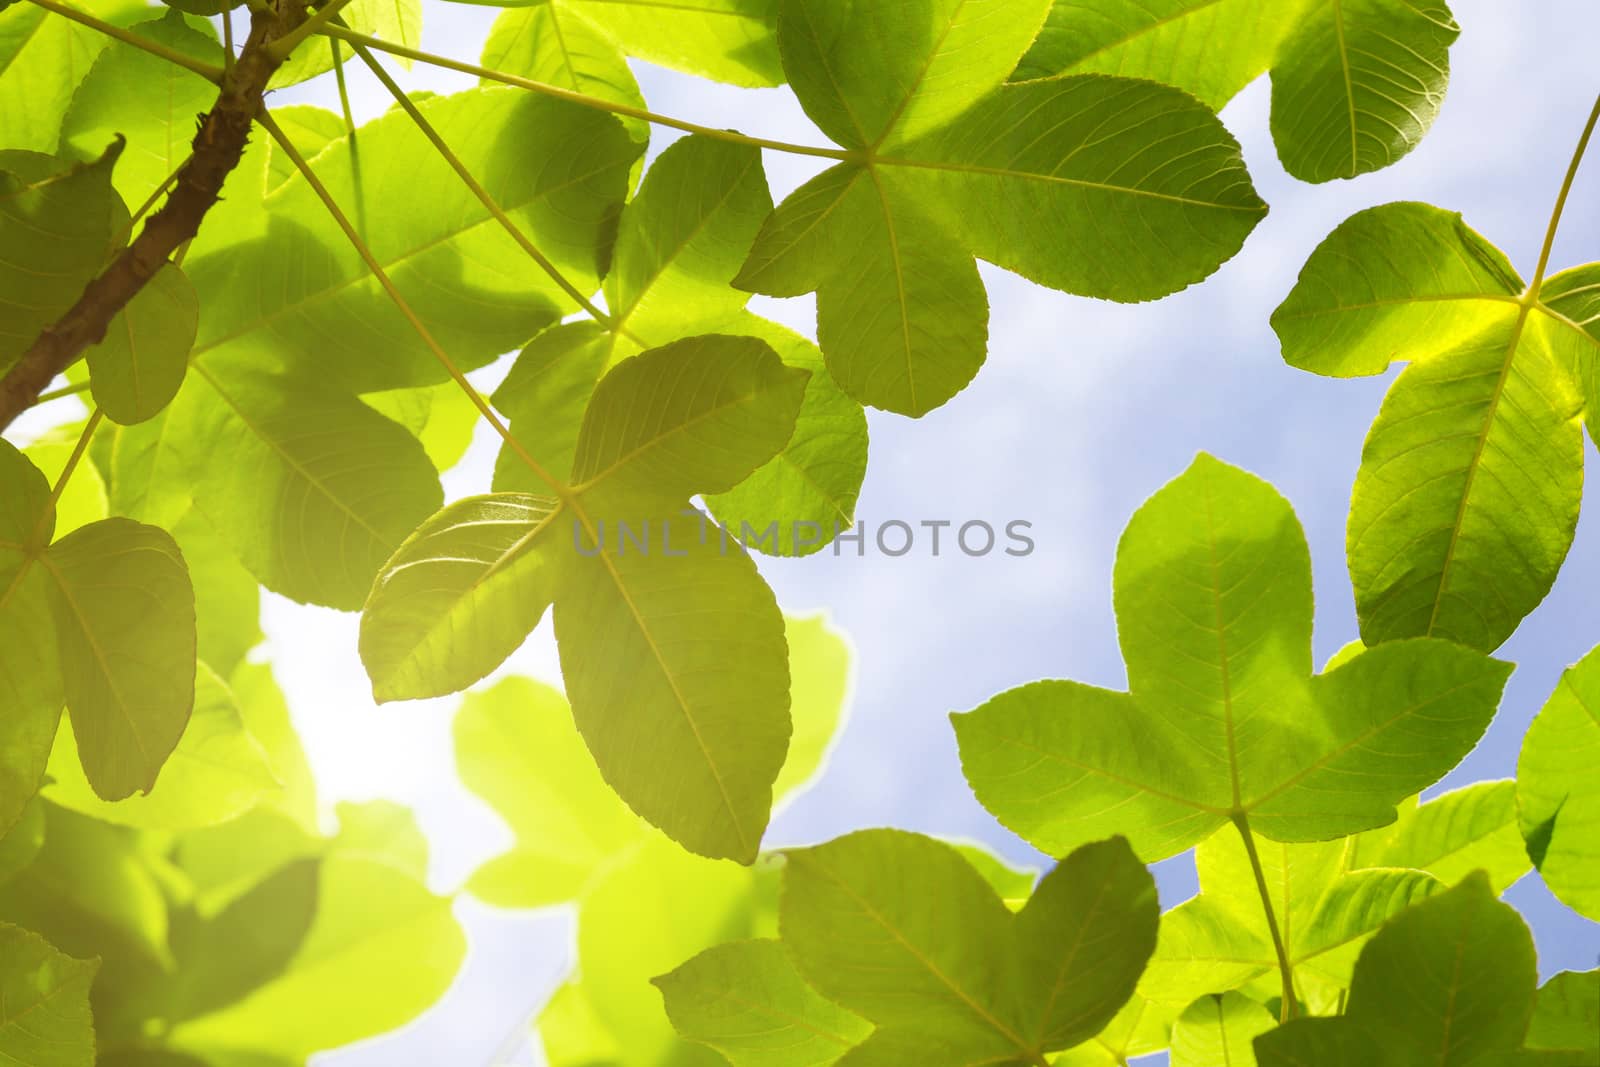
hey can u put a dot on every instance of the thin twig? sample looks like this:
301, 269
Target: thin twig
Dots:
584, 99
343, 221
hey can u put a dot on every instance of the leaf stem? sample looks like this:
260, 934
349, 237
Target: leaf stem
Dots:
1285, 970
151, 201
480, 192
65, 391
200, 67
89, 427
267, 122
350, 135
281, 48
1561, 204
584, 99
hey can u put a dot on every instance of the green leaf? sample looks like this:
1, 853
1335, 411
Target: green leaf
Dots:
144, 473
284, 287
227, 599
58, 222
30, 674
309, 129
887, 242
147, 99
1175, 42
544, 396
1139, 1028
876, 74
683, 238
1446, 982
21, 843
1468, 829
45, 1021
369, 916
654, 907
747, 1001
695, 416
901, 930
137, 369
800, 499
724, 40
216, 772
1558, 803
92, 891
1470, 481
1224, 718
1565, 1011
1357, 84
555, 43
334, 487
1219, 1029
460, 595
516, 749
82, 499
399, 21
125, 624
1219, 940
685, 646
43, 59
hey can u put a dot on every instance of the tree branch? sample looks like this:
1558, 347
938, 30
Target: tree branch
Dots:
218, 146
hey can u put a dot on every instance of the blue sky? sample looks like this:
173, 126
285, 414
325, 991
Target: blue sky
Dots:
1083, 410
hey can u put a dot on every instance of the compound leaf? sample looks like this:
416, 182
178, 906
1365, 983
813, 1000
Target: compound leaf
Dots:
1224, 719
1470, 482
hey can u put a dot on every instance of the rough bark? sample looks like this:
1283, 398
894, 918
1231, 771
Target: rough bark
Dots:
218, 145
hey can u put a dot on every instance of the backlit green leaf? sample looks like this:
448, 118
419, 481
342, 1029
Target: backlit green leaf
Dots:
137, 369
146, 99
58, 221
1219, 1030
288, 288
1005, 175
1213, 602
1565, 1012
43, 58
335, 487
369, 917
1446, 982
555, 43
901, 930
30, 674
1211, 48
1558, 802
1471, 477
1357, 83
125, 625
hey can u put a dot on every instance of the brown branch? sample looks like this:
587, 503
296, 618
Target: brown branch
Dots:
218, 146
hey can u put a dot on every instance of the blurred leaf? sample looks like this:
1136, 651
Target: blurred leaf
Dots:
1219, 1029
216, 772
45, 1021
